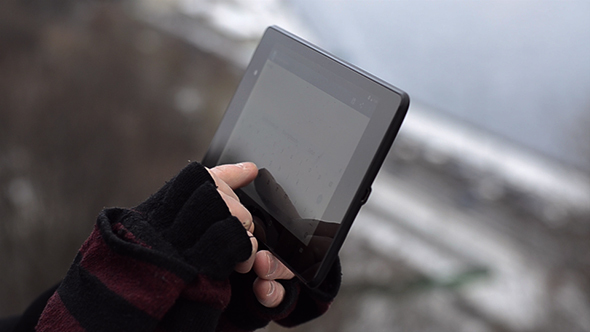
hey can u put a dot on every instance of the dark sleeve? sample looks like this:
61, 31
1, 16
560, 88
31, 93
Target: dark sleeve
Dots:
114, 285
138, 264
301, 304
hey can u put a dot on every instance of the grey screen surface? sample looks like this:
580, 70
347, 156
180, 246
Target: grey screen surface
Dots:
301, 133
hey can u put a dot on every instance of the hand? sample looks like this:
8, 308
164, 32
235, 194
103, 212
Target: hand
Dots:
268, 268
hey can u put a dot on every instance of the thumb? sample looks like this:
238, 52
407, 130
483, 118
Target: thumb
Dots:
236, 175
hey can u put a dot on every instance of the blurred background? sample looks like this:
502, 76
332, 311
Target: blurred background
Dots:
478, 221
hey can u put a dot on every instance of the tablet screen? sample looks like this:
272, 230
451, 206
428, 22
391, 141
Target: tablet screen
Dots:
301, 125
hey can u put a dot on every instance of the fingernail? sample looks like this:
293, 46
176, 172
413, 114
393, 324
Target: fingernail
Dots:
273, 265
271, 288
246, 165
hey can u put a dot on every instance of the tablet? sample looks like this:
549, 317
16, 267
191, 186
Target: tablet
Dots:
318, 129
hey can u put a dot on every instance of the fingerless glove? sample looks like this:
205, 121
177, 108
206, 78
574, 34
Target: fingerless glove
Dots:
177, 248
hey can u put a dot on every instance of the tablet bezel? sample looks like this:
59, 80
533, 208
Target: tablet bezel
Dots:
368, 156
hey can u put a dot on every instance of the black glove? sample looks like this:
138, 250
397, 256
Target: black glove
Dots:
164, 264
188, 219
